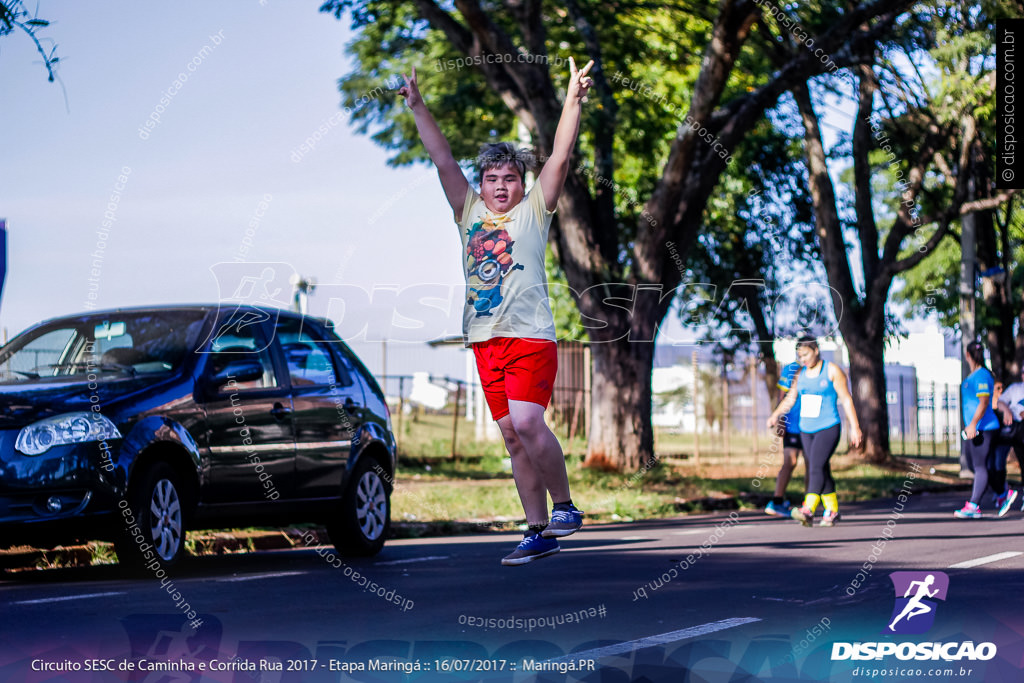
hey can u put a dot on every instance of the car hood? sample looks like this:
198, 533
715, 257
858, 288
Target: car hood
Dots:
24, 403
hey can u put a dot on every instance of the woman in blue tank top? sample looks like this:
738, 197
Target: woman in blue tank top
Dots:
821, 387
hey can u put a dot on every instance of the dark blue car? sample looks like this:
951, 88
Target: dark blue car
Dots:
136, 425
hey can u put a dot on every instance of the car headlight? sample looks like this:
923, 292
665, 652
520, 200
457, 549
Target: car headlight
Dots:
60, 430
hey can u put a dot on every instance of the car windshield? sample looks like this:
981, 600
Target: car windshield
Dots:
129, 344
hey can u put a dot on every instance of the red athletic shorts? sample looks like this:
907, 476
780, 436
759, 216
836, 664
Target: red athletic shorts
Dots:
517, 370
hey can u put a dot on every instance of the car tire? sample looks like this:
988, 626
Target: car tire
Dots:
362, 521
158, 508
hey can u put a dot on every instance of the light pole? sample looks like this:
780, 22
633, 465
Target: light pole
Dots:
302, 288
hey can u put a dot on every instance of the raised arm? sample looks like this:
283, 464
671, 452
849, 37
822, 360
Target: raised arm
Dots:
453, 181
552, 175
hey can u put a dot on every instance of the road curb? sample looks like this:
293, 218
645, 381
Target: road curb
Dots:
206, 543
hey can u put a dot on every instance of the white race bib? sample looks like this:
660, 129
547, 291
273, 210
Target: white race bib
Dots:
810, 406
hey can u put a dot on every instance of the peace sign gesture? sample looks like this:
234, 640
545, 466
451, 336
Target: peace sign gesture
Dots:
411, 90
579, 81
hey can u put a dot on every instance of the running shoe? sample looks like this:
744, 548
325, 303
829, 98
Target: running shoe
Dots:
529, 549
804, 515
830, 518
563, 523
968, 511
1005, 501
783, 509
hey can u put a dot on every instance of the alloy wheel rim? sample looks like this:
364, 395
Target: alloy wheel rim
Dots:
371, 506
165, 516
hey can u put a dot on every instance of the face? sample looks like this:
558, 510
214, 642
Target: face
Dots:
997, 390
808, 356
501, 188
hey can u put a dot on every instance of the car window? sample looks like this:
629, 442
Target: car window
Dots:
135, 343
238, 345
308, 358
41, 357
346, 368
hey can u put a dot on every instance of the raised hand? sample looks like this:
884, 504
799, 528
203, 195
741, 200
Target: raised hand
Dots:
411, 90
579, 81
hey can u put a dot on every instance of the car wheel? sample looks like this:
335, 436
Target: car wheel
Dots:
361, 524
158, 510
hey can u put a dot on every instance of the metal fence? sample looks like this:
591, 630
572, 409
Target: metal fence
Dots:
724, 410
433, 401
708, 408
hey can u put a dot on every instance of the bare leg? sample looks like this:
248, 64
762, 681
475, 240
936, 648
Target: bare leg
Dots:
789, 460
528, 480
542, 450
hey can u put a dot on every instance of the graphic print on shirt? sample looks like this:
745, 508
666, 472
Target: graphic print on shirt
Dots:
488, 262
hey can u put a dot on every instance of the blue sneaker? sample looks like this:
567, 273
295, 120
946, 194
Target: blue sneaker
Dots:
529, 549
1005, 501
783, 509
563, 523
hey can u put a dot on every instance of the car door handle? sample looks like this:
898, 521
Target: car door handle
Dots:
279, 411
350, 404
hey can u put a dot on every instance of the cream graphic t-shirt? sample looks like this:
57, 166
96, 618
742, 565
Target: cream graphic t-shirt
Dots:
506, 284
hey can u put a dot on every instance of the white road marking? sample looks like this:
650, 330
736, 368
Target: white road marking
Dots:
704, 530
635, 538
411, 560
662, 639
65, 597
984, 560
253, 577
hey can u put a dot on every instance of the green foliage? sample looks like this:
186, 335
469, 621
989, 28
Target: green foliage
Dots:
960, 50
933, 288
658, 49
762, 232
568, 322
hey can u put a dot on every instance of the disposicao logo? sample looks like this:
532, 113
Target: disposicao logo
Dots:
916, 596
914, 610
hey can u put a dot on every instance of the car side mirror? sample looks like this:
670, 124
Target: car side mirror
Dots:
240, 370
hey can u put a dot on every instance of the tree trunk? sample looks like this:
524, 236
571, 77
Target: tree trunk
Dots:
772, 374
621, 435
867, 385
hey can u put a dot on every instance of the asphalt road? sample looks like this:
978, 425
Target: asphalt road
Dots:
764, 599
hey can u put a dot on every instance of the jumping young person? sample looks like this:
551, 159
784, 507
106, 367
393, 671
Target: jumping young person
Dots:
507, 318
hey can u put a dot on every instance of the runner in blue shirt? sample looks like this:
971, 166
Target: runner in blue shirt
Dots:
981, 428
790, 422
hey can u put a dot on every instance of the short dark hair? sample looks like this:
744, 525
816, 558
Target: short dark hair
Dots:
976, 352
498, 154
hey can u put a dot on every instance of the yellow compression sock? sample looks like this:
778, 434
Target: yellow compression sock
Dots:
811, 501
831, 501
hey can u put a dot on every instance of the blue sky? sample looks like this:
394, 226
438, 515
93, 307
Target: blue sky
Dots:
262, 82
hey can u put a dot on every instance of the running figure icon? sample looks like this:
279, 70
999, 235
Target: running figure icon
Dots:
915, 607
